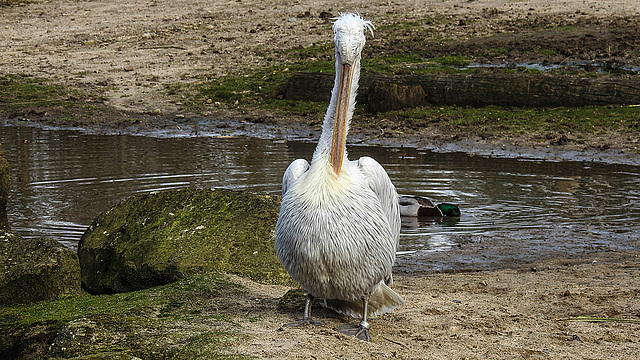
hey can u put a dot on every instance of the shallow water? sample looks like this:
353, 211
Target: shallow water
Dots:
62, 179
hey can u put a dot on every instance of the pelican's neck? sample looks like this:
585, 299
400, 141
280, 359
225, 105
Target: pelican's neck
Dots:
323, 150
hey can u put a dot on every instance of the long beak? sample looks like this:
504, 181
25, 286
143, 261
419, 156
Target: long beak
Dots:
340, 123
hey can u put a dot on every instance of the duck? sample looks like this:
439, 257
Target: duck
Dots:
420, 206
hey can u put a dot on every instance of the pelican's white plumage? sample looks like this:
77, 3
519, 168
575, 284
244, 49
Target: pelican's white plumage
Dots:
339, 222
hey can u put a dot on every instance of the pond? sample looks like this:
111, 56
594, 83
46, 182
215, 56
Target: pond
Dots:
511, 209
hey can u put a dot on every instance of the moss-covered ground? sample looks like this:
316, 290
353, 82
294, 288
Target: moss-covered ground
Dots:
25, 96
189, 319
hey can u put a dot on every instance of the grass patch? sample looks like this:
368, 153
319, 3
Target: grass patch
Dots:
20, 92
391, 63
24, 96
259, 87
546, 52
495, 121
456, 61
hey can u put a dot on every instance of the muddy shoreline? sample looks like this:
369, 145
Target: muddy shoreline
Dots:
523, 149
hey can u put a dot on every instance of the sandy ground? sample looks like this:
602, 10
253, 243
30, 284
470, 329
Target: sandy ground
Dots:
531, 312
131, 49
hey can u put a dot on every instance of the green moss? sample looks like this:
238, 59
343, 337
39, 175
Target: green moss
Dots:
260, 86
25, 96
35, 269
451, 60
391, 63
494, 121
546, 52
493, 53
158, 238
192, 319
204, 346
17, 91
292, 300
311, 52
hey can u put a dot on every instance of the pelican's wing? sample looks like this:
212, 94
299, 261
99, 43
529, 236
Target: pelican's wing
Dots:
293, 172
382, 186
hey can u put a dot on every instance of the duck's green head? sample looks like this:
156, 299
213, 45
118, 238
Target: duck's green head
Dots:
449, 210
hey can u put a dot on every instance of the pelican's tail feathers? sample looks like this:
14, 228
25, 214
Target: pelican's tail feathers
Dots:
381, 301
345, 307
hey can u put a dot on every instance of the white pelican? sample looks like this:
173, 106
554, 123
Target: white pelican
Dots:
339, 222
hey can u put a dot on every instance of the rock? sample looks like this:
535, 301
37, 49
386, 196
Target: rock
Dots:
384, 96
35, 269
84, 335
30, 343
190, 319
376, 92
380, 92
158, 238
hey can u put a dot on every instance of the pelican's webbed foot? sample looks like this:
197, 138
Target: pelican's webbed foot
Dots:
360, 331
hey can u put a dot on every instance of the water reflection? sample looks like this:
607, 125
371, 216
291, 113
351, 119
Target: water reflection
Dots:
62, 179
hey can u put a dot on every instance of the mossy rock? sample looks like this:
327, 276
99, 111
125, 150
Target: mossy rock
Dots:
35, 269
194, 318
161, 237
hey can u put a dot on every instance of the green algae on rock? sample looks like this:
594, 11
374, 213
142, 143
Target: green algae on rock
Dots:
190, 319
35, 269
161, 237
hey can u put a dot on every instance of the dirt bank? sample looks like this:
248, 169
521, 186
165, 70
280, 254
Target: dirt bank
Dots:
142, 56
131, 49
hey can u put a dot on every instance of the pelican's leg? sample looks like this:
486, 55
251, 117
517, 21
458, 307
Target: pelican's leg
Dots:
306, 317
362, 330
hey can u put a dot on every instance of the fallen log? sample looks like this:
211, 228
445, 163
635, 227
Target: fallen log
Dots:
390, 92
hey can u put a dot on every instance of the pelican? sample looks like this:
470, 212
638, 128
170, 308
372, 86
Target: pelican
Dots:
339, 223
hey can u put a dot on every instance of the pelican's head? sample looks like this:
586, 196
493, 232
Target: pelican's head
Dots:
349, 36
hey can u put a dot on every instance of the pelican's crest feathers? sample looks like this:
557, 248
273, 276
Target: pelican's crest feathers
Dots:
349, 36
